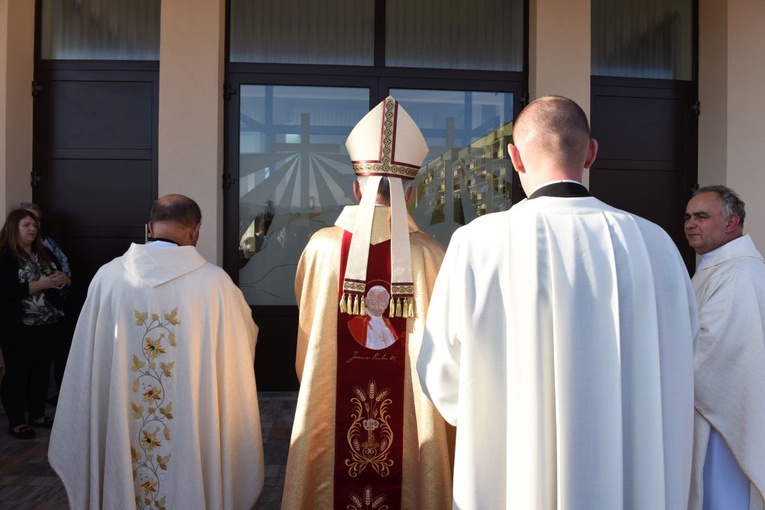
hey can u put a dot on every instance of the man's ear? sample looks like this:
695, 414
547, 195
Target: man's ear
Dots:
357, 191
733, 222
516, 159
194, 234
592, 152
409, 194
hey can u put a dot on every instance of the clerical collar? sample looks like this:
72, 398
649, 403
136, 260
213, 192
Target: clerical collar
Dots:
563, 189
161, 240
707, 257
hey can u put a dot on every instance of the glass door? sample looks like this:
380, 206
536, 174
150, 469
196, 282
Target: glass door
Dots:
467, 172
301, 74
295, 175
294, 178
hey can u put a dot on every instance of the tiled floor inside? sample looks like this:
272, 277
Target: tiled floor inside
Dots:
28, 482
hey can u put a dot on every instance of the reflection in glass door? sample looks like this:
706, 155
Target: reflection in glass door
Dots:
295, 177
467, 172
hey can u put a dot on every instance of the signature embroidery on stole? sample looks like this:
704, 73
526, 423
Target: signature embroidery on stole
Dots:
152, 411
370, 415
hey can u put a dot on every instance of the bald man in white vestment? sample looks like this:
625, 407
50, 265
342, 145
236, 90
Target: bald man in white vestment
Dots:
158, 406
729, 435
562, 349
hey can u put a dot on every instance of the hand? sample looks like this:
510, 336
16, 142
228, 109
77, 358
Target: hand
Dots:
59, 280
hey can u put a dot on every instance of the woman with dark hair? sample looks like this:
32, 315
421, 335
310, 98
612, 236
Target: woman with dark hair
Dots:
31, 319
61, 349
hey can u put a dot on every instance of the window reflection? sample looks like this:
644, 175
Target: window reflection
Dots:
254, 236
295, 178
295, 173
467, 172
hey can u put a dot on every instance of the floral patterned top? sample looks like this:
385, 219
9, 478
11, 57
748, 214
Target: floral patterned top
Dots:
37, 309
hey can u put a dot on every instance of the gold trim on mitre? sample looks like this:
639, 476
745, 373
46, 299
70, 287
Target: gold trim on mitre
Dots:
385, 143
389, 170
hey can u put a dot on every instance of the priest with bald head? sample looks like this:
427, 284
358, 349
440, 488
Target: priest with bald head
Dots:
158, 407
559, 341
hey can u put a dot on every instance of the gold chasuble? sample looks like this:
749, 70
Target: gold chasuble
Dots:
364, 436
335, 377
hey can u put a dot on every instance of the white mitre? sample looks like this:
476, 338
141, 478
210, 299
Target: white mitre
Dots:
385, 143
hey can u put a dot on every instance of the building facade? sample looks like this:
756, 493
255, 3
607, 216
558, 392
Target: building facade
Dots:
204, 121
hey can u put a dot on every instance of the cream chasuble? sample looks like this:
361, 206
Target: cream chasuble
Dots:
730, 363
425, 473
158, 407
563, 355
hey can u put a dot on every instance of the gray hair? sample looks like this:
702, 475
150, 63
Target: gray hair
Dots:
732, 204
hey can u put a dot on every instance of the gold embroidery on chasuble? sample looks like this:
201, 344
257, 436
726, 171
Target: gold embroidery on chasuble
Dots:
370, 435
152, 411
367, 500
369, 398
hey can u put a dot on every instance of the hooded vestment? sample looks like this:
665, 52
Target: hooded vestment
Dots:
158, 406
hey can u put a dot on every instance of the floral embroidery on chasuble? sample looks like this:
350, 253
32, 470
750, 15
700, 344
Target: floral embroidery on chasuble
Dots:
152, 412
371, 366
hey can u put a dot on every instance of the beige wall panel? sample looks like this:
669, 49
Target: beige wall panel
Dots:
191, 111
16, 74
746, 111
713, 91
559, 51
732, 122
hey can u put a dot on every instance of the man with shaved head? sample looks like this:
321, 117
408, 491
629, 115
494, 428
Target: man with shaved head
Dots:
562, 349
158, 407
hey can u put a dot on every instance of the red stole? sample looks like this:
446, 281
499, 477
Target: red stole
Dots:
369, 421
